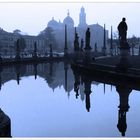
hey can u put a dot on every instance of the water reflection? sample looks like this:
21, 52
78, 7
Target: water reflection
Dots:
122, 88
74, 82
124, 92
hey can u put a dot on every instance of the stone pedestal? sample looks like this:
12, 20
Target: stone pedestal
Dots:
88, 56
124, 63
76, 56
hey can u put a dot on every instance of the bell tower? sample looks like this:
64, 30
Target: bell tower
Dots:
82, 18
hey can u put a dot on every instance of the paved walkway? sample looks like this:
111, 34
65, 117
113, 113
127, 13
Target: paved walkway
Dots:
134, 61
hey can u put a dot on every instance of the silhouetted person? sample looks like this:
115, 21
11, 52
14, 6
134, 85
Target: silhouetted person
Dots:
122, 28
87, 39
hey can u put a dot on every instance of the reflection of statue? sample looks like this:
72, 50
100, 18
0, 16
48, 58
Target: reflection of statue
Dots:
76, 89
122, 125
18, 68
76, 84
87, 92
5, 125
122, 28
124, 92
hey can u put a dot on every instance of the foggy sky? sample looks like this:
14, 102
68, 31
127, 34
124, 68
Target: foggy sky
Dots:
33, 17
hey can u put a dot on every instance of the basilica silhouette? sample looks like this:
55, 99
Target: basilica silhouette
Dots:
58, 27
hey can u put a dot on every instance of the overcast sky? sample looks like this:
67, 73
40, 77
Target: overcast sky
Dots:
33, 17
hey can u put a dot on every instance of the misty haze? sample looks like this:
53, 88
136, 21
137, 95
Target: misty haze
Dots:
69, 70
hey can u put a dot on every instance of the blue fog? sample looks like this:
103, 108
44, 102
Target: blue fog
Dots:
37, 15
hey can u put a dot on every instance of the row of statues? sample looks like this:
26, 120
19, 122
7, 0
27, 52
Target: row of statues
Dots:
87, 41
122, 29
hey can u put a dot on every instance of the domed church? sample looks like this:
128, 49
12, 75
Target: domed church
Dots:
58, 25
97, 31
68, 21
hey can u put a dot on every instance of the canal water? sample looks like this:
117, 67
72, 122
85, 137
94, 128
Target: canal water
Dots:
41, 101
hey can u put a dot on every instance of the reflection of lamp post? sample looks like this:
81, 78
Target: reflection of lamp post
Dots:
76, 84
66, 75
18, 72
35, 69
124, 92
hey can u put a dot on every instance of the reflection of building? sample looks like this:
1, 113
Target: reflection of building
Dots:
58, 30
53, 73
97, 31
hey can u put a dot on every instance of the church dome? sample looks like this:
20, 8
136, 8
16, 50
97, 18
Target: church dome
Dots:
68, 21
53, 24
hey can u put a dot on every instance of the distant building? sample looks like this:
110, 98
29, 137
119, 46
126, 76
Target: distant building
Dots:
8, 40
55, 35
82, 18
97, 31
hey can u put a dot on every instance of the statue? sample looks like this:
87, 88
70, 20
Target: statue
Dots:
88, 39
122, 28
76, 43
